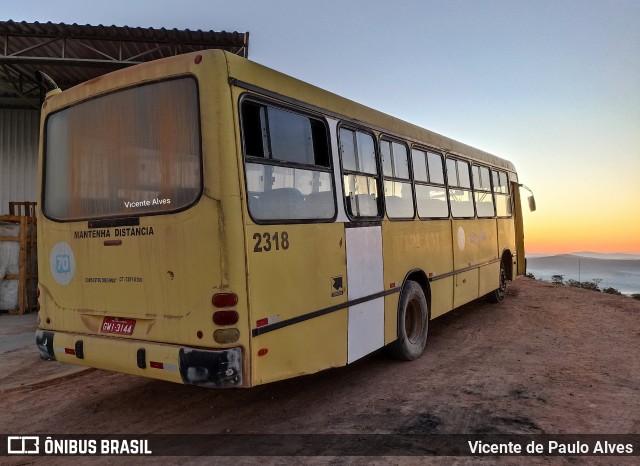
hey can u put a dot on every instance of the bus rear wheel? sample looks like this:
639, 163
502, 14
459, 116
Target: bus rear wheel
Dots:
413, 323
499, 293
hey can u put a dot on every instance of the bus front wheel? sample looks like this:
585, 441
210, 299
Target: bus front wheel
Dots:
413, 323
499, 293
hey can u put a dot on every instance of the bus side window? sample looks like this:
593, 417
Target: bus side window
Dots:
398, 194
482, 193
501, 193
255, 131
287, 164
459, 182
431, 193
360, 173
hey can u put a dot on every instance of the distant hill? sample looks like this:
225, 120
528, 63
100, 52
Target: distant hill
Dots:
592, 255
614, 256
619, 271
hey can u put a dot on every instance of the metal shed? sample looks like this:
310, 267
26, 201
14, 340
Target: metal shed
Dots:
71, 54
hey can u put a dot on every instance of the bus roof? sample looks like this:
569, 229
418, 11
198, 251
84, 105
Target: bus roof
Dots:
246, 72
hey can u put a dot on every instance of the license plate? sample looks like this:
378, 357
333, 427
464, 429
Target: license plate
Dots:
117, 325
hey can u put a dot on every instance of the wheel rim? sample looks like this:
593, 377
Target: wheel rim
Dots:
413, 321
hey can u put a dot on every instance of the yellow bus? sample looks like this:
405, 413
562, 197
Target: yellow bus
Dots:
209, 221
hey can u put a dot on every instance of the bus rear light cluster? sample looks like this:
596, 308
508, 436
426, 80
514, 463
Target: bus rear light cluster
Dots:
225, 316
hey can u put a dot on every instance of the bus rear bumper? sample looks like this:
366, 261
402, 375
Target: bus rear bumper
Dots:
174, 363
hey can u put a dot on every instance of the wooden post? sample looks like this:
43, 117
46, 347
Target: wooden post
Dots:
23, 214
22, 277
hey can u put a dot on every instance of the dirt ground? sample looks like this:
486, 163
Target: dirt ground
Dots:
548, 359
20, 364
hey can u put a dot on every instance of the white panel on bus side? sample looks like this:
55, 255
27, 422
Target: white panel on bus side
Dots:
364, 278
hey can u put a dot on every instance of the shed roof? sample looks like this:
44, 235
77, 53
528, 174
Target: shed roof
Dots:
74, 53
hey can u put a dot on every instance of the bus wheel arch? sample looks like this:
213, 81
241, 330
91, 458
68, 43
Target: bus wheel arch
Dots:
413, 318
505, 273
421, 279
507, 260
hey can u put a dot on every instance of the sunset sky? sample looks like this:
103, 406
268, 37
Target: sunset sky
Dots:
553, 86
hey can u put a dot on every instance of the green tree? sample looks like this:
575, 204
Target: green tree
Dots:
592, 285
574, 283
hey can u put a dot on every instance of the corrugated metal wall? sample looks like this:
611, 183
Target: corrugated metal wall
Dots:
19, 131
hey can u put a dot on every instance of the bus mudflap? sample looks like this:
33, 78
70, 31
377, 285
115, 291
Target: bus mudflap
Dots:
44, 342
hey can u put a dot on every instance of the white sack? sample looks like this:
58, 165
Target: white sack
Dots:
8, 295
9, 250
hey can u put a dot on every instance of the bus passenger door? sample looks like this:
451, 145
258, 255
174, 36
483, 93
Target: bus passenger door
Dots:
364, 279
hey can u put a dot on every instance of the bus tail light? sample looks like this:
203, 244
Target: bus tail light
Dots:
224, 299
225, 318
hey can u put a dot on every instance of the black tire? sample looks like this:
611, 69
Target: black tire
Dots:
413, 323
497, 295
